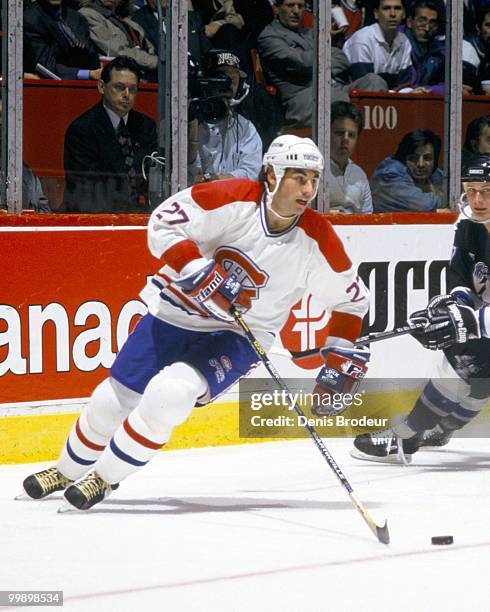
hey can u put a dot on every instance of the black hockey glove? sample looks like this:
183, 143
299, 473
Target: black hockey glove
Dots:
446, 323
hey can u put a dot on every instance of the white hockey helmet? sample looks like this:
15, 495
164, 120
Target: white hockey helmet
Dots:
290, 151
476, 170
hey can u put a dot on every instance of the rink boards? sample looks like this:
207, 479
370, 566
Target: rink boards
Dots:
70, 298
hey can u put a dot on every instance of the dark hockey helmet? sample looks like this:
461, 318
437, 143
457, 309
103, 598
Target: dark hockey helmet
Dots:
476, 170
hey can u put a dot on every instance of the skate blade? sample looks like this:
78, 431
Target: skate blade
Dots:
66, 508
431, 447
389, 459
23, 496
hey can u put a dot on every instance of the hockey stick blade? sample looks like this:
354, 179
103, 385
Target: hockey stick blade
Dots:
383, 533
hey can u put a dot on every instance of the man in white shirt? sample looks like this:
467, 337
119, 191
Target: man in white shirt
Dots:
229, 146
476, 53
348, 183
381, 48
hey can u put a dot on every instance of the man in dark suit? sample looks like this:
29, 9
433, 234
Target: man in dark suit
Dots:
147, 18
57, 37
104, 148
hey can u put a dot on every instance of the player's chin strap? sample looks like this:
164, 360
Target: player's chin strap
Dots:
268, 204
464, 206
269, 195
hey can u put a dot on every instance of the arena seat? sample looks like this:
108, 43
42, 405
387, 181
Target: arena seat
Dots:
259, 71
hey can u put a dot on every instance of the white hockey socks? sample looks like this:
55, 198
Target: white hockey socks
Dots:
109, 404
167, 401
130, 448
82, 449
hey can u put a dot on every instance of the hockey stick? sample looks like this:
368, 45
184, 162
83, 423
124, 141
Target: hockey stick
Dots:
381, 533
369, 339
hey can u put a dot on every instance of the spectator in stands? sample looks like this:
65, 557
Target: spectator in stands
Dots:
428, 51
33, 197
147, 18
339, 25
477, 139
223, 25
256, 15
381, 48
476, 52
471, 9
410, 181
113, 33
354, 15
348, 183
105, 146
228, 144
287, 51
57, 38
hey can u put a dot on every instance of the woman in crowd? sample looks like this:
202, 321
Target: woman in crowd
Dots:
410, 181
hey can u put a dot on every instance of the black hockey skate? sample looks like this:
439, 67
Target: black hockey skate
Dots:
435, 438
88, 491
42, 484
385, 447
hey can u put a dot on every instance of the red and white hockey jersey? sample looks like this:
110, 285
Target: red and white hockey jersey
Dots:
227, 221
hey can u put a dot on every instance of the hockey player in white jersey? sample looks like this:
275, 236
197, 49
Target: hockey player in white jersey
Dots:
459, 325
255, 245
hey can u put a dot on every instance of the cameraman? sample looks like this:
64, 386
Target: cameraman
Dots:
228, 145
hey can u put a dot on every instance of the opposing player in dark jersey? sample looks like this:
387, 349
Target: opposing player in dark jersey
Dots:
459, 325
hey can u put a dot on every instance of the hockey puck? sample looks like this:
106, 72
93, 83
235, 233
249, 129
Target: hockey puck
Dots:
442, 539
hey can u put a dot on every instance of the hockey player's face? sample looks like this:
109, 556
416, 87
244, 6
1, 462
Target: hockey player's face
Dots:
119, 93
478, 195
420, 163
297, 189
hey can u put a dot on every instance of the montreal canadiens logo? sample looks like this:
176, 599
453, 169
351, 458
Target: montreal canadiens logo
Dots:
247, 273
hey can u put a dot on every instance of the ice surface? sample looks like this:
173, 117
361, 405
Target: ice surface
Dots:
261, 527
